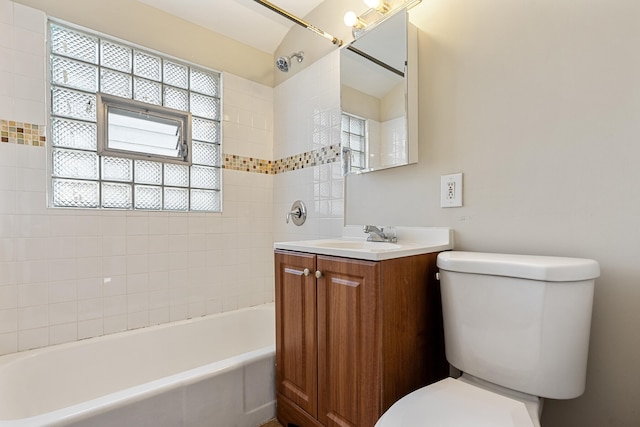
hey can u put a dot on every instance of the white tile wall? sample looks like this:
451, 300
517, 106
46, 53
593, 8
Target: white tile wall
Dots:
69, 274
72, 274
22, 69
321, 189
307, 117
248, 117
394, 134
305, 103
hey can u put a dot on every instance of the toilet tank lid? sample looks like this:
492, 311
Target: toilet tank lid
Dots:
546, 268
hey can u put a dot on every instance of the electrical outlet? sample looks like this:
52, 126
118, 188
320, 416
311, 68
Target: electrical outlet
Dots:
451, 191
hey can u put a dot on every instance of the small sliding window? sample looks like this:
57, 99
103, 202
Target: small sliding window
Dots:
129, 128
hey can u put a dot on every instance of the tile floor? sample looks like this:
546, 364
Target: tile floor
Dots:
271, 423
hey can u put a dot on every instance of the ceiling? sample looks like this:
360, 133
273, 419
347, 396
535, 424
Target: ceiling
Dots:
246, 21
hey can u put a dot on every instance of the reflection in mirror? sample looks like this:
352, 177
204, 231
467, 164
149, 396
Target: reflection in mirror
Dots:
374, 72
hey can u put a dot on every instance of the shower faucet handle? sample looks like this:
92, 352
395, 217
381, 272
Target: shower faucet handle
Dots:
297, 214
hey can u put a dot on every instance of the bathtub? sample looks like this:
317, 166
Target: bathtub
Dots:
216, 370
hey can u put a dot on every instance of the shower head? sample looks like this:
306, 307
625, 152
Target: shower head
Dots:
284, 62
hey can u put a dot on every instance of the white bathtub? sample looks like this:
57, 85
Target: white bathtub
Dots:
215, 370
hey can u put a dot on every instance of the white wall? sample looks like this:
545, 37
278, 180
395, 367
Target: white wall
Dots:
68, 274
538, 104
144, 25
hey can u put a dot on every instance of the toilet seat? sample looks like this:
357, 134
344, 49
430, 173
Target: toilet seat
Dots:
455, 403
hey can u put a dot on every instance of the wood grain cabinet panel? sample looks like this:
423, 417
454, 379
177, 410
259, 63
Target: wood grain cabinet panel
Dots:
296, 332
352, 341
348, 359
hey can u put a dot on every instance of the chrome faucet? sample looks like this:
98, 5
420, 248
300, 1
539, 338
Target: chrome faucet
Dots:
378, 235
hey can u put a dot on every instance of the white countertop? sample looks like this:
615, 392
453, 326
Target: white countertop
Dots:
411, 241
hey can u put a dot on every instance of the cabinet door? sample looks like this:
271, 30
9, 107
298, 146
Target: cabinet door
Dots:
348, 342
296, 340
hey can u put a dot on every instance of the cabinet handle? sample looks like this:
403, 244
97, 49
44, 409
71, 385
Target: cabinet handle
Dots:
306, 272
318, 274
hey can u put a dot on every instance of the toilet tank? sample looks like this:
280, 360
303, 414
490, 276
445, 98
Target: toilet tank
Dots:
519, 321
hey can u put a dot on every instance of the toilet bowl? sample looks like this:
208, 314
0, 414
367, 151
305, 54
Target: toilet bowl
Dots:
461, 403
509, 331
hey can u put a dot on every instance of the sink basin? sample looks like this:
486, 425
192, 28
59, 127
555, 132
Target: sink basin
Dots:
358, 244
411, 241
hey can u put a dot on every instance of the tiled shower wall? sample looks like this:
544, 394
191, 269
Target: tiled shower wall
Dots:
307, 119
68, 274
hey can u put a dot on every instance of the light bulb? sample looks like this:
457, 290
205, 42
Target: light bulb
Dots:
350, 19
378, 5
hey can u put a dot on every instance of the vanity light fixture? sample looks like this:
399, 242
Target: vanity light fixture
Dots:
379, 5
379, 10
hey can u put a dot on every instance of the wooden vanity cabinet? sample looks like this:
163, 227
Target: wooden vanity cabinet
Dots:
354, 336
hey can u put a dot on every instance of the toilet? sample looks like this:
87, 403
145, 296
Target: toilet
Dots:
517, 327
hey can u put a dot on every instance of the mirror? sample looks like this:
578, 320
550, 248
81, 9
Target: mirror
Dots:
378, 95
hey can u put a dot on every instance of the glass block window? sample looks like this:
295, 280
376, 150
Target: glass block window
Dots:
85, 68
354, 141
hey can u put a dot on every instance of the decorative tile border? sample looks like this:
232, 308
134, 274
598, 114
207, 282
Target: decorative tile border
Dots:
247, 164
321, 156
328, 154
31, 134
22, 133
